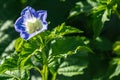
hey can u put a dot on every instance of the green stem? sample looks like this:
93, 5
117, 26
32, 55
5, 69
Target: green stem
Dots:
45, 65
24, 61
38, 70
54, 76
45, 73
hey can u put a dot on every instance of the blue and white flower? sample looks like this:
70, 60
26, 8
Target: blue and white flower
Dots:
31, 22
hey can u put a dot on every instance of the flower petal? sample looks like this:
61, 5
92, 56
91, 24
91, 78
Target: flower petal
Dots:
18, 25
28, 8
28, 13
42, 15
24, 35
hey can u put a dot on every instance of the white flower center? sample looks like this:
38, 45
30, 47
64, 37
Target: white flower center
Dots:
33, 25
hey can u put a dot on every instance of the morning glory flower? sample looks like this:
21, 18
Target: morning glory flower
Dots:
31, 22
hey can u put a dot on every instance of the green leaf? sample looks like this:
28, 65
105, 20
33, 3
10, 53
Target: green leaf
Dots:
26, 48
71, 70
74, 64
10, 68
64, 50
18, 44
116, 48
26, 59
20, 63
101, 44
65, 44
6, 77
27, 51
99, 10
61, 48
84, 49
9, 64
83, 7
99, 20
116, 71
63, 30
15, 75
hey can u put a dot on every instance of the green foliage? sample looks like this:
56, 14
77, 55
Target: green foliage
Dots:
100, 12
11, 69
58, 53
75, 64
28, 53
86, 46
83, 7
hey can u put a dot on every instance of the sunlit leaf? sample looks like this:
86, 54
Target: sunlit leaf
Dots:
64, 30
71, 70
66, 44
116, 70
116, 47
18, 44
99, 20
83, 7
57, 53
9, 64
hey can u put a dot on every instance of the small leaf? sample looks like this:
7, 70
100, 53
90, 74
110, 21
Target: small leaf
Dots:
64, 30
116, 47
18, 44
115, 62
116, 73
84, 49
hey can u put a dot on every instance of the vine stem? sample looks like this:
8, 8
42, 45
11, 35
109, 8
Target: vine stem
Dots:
44, 71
